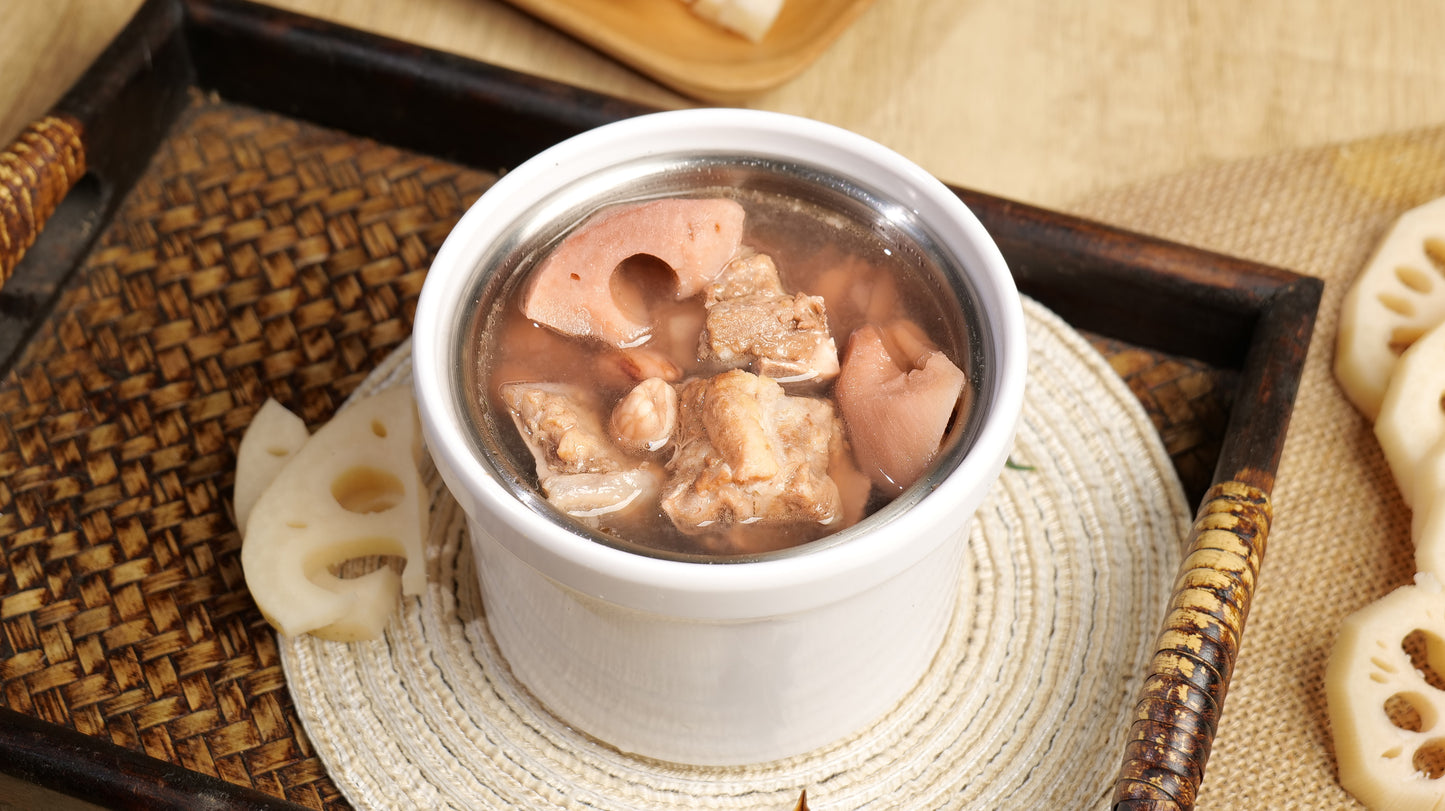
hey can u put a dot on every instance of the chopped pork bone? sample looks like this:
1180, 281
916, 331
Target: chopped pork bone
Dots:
562, 431
752, 323
752, 275
747, 452
582, 473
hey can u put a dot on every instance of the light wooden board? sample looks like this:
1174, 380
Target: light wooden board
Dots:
665, 40
1039, 100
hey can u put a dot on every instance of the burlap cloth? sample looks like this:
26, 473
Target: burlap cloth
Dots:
1341, 534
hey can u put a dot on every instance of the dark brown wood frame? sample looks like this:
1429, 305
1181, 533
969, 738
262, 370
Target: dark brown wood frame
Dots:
1167, 297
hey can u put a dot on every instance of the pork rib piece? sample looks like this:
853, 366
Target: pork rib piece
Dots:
752, 323
581, 472
748, 453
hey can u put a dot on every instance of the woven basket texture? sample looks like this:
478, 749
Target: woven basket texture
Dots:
258, 256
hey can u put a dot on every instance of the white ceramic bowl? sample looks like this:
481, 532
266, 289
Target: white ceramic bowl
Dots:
725, 662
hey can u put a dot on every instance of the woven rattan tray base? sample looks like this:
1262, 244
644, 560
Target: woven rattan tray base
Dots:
258, 256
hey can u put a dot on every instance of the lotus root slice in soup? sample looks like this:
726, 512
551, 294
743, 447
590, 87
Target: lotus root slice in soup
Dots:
707, 340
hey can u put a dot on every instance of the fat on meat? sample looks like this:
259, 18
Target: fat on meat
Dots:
746, 452
752, 323
580, 470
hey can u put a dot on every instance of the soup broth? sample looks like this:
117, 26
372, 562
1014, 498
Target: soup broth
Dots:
864, 273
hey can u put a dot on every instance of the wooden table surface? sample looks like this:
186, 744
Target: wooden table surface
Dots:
1039, 100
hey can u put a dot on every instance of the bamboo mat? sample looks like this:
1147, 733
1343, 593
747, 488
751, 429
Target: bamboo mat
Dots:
258, 256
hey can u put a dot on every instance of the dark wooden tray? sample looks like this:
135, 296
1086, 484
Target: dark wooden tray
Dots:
240, 203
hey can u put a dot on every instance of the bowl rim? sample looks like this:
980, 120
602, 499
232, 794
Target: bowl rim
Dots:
734, 590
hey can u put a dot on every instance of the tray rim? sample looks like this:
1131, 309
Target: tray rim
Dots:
1234, 312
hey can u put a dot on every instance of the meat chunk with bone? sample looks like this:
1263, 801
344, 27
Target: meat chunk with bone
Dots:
749, 453
581, 472
752, 323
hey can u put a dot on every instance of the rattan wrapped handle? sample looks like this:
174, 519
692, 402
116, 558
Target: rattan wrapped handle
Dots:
1178, 710
36, 172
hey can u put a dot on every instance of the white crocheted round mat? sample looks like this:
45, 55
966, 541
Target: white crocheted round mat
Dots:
1026, 706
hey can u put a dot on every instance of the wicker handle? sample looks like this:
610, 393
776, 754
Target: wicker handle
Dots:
1178, 710
36, 172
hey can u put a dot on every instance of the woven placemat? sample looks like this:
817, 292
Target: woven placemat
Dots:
1026, 705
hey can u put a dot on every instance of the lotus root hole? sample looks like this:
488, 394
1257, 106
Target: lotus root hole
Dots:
1429, 759
378, 428
1414, 278
1427, 655
1398, 304
1382, 664
367, 490
1435, 250
1402, 338
1392, 752
1410, 712
639, 283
